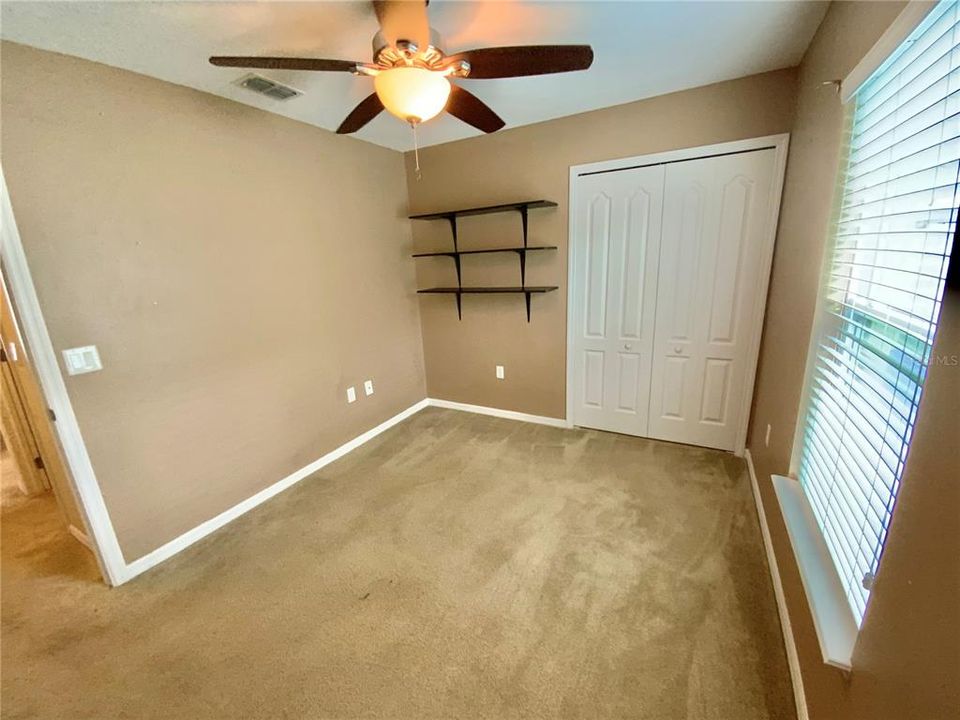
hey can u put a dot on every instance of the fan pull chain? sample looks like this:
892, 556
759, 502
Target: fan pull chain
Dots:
416, 150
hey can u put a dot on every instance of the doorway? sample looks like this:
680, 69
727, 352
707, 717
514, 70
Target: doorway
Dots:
669, 262
32, 468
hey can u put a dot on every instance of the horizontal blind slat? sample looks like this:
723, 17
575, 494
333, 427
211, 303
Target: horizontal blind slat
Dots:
875, 304
942, 172
924, 147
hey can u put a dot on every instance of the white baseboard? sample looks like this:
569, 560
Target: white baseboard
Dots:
184, 541
497, 412
793, 660
176, 545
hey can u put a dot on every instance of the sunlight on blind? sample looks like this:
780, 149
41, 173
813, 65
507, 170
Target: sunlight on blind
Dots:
882, 295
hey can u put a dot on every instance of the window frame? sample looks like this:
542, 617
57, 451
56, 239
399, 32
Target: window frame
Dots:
834, 620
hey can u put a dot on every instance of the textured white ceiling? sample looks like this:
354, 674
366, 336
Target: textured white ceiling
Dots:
641, 49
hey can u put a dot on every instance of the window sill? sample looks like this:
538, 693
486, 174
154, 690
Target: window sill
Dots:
835, 624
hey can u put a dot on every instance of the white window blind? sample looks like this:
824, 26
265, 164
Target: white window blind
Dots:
882, 294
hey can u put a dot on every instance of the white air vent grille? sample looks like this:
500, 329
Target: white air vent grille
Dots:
265, 86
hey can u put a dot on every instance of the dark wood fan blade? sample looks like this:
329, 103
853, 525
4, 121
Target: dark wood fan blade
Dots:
363, 113
403, 20
472, 110
504, 62
285, 63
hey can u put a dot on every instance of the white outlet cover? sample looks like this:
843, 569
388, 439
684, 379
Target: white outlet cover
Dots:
368, 387
351, 394
499, 372
80, 360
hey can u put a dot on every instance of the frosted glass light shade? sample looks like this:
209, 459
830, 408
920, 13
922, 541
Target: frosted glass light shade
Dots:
413, 94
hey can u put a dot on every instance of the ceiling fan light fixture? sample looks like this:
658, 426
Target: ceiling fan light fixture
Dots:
413, 94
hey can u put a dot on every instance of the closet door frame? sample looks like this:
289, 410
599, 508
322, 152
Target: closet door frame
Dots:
778, 143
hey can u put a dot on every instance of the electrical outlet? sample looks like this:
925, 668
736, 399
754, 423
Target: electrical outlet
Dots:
766, 440
499, 372
368, 387
351, 394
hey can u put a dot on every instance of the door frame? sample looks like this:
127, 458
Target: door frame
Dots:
780, 144
36, 338
23, 442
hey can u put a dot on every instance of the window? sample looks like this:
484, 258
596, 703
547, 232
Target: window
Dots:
881, 296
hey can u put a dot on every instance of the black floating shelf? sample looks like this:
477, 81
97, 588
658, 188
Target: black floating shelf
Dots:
526, 290
454, 253
486, 210
451, 216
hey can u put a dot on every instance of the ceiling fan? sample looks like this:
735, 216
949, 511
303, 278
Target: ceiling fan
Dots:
412, 73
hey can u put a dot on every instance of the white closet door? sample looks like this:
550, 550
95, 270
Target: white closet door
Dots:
615, 254
711, 262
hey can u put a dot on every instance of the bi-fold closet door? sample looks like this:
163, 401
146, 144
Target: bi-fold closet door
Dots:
667, 262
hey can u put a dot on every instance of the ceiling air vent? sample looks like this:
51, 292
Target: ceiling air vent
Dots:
270, 88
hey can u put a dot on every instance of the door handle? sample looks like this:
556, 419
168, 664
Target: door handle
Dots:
627, 346
678, 350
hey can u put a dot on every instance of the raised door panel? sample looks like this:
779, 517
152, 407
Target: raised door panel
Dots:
598, 270
630, 383
636, 242
593, 378
671, 386
731, 242
680, 262
715, 391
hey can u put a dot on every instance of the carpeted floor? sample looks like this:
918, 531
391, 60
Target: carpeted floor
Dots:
456, 566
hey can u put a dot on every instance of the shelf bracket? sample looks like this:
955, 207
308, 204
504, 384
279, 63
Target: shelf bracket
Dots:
523, 221
456, 252
523, 255
527, 296
459, 307
523, 266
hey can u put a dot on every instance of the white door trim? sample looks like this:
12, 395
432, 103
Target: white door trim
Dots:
780, 144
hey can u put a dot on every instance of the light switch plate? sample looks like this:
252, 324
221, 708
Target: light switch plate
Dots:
351, 394
80, 360
499, 372
368, 387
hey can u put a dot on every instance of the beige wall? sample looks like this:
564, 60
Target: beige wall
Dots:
237, 271
906, 662
533, 162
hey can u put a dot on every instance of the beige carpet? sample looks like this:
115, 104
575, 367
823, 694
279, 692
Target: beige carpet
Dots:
457, 566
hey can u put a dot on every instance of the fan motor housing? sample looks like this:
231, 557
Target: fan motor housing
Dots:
407, 53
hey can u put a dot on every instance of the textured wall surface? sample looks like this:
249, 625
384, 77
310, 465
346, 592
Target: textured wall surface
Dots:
236, 269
